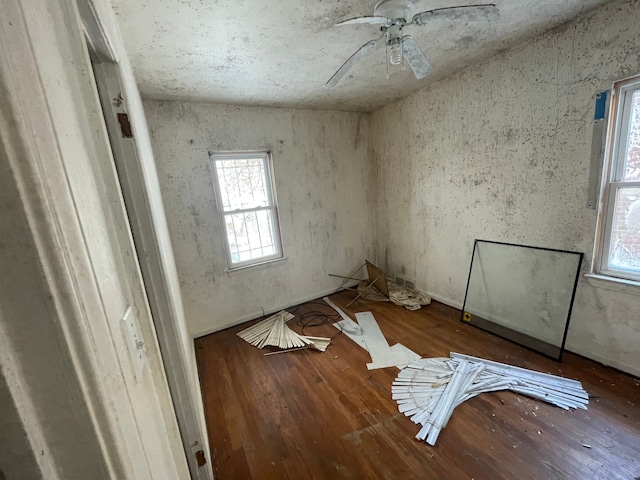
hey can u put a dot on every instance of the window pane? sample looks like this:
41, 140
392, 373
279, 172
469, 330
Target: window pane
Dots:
250, 235
625, 232
632, 154
243, 184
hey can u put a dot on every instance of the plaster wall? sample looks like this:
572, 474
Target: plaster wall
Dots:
500, 151
322, 175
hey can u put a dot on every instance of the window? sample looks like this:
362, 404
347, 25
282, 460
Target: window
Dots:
619, 254
247, 204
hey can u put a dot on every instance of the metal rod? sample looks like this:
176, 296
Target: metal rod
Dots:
359, 294
348, 278
354, 272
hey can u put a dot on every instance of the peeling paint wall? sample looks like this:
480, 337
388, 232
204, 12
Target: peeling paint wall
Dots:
500, 151
322, 175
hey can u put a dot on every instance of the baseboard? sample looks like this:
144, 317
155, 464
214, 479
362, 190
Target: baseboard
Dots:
268, 311
446, 301
590, 355
604, 360
630, 369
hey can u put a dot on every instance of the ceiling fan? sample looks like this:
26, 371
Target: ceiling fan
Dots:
392, 16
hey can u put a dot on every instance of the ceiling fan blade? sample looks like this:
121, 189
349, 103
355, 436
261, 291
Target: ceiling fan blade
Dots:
374, 20
486, 11
415, 58
346, 66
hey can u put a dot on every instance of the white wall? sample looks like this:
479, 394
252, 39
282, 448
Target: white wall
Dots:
500, 151
322, 173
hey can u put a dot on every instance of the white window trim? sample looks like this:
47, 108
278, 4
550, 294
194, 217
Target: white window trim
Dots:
612, 173
614, 284
278, 257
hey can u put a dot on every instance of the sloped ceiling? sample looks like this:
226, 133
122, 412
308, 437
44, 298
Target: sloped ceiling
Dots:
281, 53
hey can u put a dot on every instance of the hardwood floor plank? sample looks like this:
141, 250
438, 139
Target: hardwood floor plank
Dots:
308, 414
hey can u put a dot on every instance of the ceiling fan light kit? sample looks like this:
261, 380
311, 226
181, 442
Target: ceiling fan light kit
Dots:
391, 16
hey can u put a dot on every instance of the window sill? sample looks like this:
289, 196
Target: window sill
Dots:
613, 283
232, 272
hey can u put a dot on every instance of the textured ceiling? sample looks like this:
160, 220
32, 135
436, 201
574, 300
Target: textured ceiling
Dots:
281, 53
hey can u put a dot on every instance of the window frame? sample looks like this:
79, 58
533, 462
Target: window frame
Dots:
266, 156
613, 177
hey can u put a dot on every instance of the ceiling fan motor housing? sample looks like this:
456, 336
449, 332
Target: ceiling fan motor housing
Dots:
395, 9
391, 16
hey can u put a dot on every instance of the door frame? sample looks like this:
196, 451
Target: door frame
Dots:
140, 187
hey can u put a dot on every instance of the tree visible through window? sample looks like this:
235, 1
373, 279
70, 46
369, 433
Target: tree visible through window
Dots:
621, 243
246, 199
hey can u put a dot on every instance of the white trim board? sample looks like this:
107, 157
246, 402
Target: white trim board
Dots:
396, 356
446, 301
604, 360
403, 355
377, 345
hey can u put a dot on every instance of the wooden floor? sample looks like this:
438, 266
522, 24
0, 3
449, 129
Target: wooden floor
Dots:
306, 414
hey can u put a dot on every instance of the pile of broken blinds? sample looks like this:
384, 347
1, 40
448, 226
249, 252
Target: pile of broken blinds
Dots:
429, 389
398, 294
274, 332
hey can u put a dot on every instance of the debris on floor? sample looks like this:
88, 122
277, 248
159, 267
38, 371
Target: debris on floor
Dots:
379, 288
382, 288
274, 332
346, 325
398, 294
368, 335
428, 390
